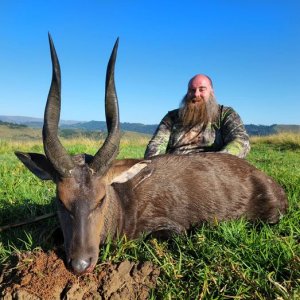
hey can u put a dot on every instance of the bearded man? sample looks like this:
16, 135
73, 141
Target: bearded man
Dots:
200, 125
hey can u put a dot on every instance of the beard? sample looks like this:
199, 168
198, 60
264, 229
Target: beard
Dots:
193, 112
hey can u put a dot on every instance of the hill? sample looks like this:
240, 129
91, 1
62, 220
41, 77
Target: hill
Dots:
81, 126
30, 120
269, 130
11, 131
101, 125
73, 127
18, 132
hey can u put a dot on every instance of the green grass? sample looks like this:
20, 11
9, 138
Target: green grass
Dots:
229, 260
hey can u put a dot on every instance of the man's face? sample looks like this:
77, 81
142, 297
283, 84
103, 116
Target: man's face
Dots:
199, 90
199, 105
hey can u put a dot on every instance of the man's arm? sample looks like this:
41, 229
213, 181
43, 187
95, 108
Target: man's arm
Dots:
235, 137
159, 142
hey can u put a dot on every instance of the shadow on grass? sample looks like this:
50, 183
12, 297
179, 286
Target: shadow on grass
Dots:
44, 233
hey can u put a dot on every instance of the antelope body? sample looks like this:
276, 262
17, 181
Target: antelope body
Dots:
98, 196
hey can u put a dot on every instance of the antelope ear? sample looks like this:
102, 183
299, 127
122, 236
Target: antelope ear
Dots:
38, 164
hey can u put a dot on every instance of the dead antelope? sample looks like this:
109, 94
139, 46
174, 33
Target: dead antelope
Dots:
98, 196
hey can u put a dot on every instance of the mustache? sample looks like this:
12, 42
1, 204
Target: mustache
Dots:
196, 99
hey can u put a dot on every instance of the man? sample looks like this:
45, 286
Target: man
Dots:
200, 125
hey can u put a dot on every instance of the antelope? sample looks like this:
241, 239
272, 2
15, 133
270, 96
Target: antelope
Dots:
99, 197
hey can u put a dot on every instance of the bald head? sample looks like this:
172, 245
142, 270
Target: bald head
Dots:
201, 78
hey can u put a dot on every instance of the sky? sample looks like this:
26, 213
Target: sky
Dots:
250, 49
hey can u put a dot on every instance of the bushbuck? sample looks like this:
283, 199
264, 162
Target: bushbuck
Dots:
98, 196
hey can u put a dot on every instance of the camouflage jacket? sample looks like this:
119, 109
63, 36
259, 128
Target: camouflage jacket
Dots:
227, 135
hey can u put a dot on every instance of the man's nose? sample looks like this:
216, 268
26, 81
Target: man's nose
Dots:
197, 93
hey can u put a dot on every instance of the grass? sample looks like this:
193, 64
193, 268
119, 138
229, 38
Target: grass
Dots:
228, 260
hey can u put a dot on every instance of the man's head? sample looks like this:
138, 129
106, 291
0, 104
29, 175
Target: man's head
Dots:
200, 88
199, 105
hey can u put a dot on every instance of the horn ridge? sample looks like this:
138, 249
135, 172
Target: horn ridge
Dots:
54, 150
109, 150
111, 100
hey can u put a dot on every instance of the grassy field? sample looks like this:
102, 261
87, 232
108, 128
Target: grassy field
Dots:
229, 260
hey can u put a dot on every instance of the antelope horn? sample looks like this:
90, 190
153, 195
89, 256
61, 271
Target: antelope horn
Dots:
58, 156
109, 150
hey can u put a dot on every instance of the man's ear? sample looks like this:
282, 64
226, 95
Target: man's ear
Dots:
38, 164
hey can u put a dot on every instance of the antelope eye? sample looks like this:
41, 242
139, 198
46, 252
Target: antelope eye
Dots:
62, 204
59, 201
64, 208
100, 202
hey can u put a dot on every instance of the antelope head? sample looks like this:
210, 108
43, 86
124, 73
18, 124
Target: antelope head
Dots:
80, 187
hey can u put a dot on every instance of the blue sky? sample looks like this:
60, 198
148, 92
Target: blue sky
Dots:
250, 48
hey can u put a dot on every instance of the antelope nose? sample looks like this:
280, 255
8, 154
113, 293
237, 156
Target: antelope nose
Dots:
80, 265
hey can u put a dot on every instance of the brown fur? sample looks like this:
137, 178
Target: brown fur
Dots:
182, 191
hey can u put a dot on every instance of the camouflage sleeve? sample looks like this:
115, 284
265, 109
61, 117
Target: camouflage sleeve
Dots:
159, 142
235, 137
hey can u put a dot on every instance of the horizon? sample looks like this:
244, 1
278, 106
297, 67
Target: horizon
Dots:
40, 119
250, 49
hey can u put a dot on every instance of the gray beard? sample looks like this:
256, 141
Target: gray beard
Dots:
202, 113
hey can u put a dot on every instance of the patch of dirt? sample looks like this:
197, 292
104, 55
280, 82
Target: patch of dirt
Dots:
39, 275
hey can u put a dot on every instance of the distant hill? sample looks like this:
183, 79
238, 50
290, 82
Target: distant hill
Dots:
30, 121
100, 126
87, 126
272, 129
260, 129
288, 128
13, 131
18, 131
12, 125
